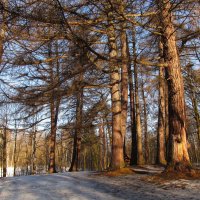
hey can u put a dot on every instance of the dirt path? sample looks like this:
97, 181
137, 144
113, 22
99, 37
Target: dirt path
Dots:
88, 186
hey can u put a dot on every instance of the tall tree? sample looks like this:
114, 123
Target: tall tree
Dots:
75, 164
140, 157
146, 135
190, 80
5, 150
54, 108
117, 158
124, 76
178, 158
161, 114
132, 61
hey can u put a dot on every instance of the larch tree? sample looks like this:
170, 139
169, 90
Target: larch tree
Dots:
161, 147
140, 156
132, 61
117, 158
178, 157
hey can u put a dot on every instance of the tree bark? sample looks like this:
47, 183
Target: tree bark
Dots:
2, 41
124, 80
104, 147
161, 121
3, 28
15, 150
161, 131
54, 109
5, 151
140, 157
33, 157
193, 98
146, 136
133, 160
101, 148
117, 158
77, 132
178, 158
166, 119
52, 164
196, 114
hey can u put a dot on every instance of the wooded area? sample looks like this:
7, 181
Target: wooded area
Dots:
97, 85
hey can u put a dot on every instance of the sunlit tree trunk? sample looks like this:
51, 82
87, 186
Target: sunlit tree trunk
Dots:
117, 157
161, 136
124, 80
178, 158
140, 157
161, 121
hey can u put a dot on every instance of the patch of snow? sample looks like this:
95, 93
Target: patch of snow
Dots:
90, 186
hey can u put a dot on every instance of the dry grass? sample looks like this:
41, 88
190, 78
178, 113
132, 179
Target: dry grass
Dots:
119, 172
170, 176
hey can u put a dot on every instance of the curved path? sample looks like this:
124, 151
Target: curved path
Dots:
88, 186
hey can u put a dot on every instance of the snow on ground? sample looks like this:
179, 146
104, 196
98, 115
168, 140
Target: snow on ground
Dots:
91, 186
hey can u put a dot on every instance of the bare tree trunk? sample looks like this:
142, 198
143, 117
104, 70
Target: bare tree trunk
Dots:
47, 141
124, 81
1, 152
2, 41
161, 131
5, 151
3, 28
104, 148
140, 157
62, 153
178, 158
27, 159
133, 160
166, 119
196, 114
54, 108
52, 164
146, 136
101, 148
15, 150
161, 121
77, 132
117, 157
33, 157
109, 141
192, 96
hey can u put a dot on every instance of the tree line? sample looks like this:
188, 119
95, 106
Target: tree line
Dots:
100, 85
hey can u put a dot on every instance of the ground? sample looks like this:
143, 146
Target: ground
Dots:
95, 186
